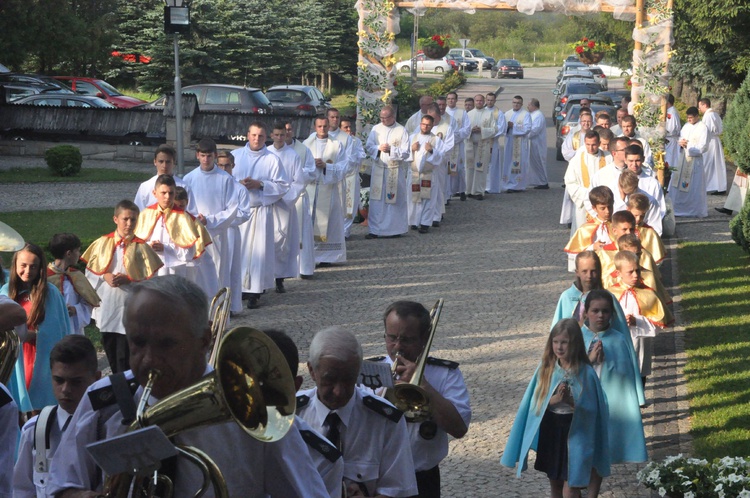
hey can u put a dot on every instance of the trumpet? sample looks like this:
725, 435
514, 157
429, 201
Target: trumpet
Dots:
252, 385
409, 397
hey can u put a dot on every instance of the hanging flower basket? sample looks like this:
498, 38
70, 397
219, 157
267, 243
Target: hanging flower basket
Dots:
591, 51
435, 47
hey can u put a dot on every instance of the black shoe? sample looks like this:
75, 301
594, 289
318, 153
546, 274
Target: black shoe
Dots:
424, 229
252, 302
448, 202
371, 236
462, 195
280, 286
324, 265
414, 227
436, 224
246, 296
725, 211
723, 192
480, 197
542, 187
470, 196
306, 277
570, 225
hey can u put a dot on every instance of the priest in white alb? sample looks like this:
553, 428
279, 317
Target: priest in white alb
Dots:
286, 224
412, 124
479, 148
261, 173
516, 157
388, 146
714, 166
457, 157
331, 164
673, 127
353, 162
426, 150
442, 128
495, 172
687, 188
357, 157
537, 176
304, 206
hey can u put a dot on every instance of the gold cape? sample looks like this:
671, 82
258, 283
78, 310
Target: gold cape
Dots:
649, 304
139, 260
650, 277
83, 288
651, 241
584, 237
181, 226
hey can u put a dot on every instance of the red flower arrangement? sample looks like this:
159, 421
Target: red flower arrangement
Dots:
591, 51
436, 46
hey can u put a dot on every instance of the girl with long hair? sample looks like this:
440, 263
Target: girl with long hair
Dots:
563, 417
47, 322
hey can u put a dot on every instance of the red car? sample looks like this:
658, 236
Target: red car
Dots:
101, 89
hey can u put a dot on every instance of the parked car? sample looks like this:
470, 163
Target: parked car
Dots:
424, 64
599, 77
35, 80
577, 75
298, 100
10, 92
4, 69
614, 71
461, 64
575, 99
572, 58
616, 96
474, 54
229, 98
570, 66
509, 68
568, 123
64, 100
100, 88
574, 86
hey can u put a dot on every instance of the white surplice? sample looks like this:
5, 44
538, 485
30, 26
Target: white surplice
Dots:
457, 160
145, 195
479, 149
286, 225
673, 126
421, 208
687, 188
516, 156
258, 257
327, 213
714, 166
537, 150
304, 211
495, 172
234, 239
388, 215
443, 130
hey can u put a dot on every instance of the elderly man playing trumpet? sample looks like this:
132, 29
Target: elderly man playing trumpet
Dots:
166, 323
407, 331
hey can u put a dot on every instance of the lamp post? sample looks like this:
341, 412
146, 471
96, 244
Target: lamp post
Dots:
176, 21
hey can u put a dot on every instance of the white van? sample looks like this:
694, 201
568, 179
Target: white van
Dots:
474, 54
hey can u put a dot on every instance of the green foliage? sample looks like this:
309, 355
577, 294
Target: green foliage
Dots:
407, 98
736, 136
451, 81
740, 227
64, 160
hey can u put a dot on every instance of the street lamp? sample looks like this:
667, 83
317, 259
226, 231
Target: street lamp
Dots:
176, 21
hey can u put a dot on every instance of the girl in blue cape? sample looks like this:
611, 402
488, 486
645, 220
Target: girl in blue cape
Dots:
563, 417
47, 322
618, 371
572, 302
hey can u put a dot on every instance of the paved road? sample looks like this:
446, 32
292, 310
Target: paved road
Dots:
500, 267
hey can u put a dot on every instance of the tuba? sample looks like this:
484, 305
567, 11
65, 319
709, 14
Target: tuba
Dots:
251, 385
10, 346
409, 397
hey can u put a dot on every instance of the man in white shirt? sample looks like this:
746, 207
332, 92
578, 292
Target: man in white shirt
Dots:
388, 147
538, 147
262, 174
74, 368
166, 319
370, 433
714, 165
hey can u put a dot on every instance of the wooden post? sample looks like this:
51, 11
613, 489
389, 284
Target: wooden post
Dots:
640, 15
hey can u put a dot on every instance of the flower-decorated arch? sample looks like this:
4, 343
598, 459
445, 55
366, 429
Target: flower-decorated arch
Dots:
379, 25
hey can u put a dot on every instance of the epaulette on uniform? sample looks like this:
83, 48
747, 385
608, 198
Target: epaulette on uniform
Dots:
302, 401
382, 408
105, 396
375, 358
4, 398
442, 363
320, 445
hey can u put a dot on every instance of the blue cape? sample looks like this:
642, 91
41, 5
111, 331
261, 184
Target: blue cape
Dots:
55, 326
566, 306
587, 440
618, 377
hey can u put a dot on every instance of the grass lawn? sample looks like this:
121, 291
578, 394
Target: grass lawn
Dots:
37, 175
716, 305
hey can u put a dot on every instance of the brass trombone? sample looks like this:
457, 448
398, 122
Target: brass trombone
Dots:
10, 346
409, 397
219, 315
251, 385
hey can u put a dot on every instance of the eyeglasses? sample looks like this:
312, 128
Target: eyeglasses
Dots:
406, 341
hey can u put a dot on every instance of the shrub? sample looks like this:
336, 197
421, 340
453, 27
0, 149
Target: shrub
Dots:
407, 98
64, 160
737, 127
740, 227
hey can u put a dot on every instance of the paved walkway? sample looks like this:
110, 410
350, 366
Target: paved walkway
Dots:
500, 267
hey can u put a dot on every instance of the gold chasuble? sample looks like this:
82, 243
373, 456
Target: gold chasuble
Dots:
80, 283
585, 236
385, 166
139, 260
649, 304
651, 241
181, 226
319, 191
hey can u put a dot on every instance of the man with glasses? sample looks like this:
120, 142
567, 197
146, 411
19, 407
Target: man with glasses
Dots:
407, 330
388, 146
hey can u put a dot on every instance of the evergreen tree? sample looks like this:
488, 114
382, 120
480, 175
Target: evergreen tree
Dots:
737, 127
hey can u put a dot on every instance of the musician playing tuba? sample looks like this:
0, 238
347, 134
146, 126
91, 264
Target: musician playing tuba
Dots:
166, 324
407, 331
